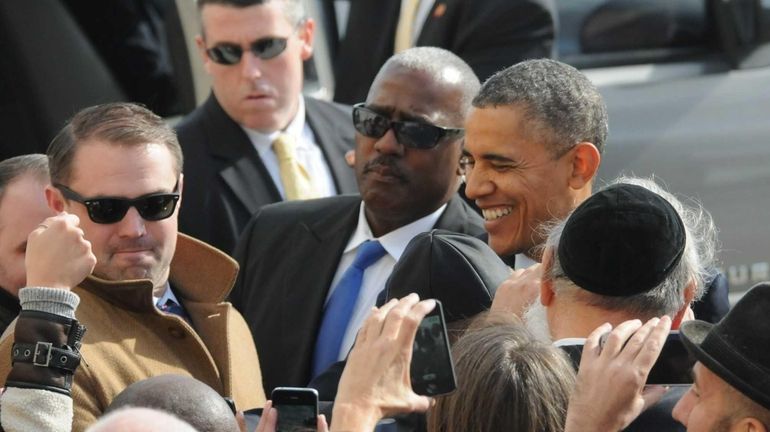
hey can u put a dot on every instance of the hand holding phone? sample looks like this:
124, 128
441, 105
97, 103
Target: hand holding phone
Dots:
375, 382
297, 409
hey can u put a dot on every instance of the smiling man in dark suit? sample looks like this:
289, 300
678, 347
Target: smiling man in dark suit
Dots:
257, 140
298, 259
488, 34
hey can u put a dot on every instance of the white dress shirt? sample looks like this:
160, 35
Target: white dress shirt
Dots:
168, 294
377, 274
309, 154
423, 9
523, 261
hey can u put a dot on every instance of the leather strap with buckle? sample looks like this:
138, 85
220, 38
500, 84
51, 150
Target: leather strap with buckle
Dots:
44, 354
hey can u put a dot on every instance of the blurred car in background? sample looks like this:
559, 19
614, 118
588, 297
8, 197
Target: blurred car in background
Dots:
687, 85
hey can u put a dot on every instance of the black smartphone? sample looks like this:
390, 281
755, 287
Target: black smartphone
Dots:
297, 409
432, 370
674, 365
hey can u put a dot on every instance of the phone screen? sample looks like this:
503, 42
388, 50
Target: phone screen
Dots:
297, 409
296, 418
432, 371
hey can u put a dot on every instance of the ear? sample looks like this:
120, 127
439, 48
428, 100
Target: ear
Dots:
546, 283
748, 424
681, 314
54, 198
181, 188
585, 162
201, 44
306, 34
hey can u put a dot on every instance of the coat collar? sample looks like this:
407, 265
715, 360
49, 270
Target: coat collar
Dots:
192, 281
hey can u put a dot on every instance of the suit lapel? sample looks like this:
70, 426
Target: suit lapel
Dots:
319, 247
459, 217
329, 135
244, 173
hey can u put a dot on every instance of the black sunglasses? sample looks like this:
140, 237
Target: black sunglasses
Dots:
408, 133
108, 210
230, 54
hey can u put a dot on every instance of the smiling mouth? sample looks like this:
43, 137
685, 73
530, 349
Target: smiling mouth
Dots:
496, 213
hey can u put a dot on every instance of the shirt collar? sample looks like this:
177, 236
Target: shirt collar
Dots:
523, 261
168, 294
295, 128
395, 241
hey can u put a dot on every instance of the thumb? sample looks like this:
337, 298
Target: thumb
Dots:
653, 394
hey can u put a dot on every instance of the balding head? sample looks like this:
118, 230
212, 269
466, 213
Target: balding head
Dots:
442, 67
183, 396
140, 420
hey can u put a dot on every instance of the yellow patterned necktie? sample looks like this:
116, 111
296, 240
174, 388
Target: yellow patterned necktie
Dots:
296, 181
405, 25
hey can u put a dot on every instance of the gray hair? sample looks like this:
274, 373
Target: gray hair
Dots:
696, 264
443, 66
13, 168
562, 102
293, 10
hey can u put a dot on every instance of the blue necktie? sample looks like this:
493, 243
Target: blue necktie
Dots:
339, 308
172, 307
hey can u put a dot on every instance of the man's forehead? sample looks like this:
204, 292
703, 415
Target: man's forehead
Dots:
100, 165
410, 93
221, 21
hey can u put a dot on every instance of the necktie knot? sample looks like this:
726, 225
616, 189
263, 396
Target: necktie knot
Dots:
296, 181
368, 253
284, 147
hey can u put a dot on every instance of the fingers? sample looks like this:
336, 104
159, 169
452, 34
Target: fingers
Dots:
373, 324
618, 337
395, 318
269, 418
653, 345
592, 345
241, 421
321, 424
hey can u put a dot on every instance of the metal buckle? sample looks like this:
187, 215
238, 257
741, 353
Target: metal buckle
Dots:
38, 352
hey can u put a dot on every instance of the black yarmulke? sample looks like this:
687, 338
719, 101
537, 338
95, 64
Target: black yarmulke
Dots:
623, 240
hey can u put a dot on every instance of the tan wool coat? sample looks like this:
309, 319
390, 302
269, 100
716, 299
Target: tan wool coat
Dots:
128, 339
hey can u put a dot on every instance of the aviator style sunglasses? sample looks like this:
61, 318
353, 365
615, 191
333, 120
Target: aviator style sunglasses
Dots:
108, 210
408, 133
230, 54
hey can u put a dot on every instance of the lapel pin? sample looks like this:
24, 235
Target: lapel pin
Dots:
440, 10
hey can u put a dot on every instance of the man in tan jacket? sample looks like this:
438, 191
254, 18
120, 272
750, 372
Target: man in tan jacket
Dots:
154, 303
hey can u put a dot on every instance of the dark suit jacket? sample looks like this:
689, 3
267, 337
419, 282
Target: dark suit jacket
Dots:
225, 180
489, 35
289, 254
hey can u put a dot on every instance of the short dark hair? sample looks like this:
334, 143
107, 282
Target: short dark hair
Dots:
119, 123
565, 105
293, 10
13, 168
522, 384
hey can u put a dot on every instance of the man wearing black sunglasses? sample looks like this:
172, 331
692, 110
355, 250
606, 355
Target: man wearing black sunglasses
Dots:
295, 256
235, 143
154, 304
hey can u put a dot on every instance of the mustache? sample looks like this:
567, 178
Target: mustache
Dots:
388, 162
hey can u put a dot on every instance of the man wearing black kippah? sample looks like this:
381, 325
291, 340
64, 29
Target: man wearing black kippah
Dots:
630, 251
